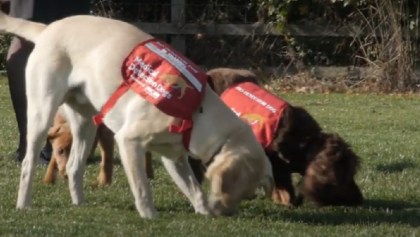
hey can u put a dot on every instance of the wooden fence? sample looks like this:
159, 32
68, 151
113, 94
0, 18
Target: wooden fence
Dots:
178, 28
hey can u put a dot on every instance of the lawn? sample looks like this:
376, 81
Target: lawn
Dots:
384, 131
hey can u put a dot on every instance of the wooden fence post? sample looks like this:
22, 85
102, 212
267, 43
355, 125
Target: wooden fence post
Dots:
178, 20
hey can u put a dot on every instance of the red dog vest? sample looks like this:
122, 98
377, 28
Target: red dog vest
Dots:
166, 79
258, 107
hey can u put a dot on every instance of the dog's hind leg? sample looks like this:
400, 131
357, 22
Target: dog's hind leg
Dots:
183, 176
46, 76
41, 110
83, 131
132, 157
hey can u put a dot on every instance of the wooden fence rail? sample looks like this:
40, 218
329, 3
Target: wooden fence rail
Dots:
178, 28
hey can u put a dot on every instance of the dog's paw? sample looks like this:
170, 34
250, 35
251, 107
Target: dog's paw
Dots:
282, 197
23, 205
104, 178
48, 181
203, 211
149, 214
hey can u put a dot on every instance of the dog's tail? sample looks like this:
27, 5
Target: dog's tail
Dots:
20, 27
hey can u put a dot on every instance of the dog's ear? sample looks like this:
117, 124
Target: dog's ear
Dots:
59, 122
296, 132
58, 130
53, 132
329, 178
337, 155
342, 155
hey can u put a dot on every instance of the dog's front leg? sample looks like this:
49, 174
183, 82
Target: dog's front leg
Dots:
106, 144
132, 157
84, 132
51, 174
181, 173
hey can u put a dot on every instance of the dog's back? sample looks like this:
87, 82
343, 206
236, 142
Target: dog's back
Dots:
223, 78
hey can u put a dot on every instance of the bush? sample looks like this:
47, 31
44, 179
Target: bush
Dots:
387, 42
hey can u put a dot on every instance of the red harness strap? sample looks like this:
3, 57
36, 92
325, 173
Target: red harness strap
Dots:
185, 127
124, 87
166, 79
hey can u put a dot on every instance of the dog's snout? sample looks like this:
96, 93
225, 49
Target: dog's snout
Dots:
218, 208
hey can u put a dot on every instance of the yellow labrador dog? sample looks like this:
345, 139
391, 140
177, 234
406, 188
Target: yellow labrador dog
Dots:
77, 62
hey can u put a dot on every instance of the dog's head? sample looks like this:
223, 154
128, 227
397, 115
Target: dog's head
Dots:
325, 160
236, 171
296, 131
329, 176
222, 78
61, 139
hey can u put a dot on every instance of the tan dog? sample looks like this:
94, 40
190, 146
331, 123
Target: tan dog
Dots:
77, 62
61, 139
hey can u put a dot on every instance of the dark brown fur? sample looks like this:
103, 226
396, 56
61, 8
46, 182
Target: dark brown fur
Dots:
325, 161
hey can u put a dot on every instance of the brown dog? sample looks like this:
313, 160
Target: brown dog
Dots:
61, 140
325, 161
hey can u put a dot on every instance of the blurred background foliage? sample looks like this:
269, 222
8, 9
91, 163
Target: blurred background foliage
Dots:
384, 33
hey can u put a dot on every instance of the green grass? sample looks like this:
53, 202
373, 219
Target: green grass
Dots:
383, 130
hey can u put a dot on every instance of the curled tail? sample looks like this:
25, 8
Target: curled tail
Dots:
20, 27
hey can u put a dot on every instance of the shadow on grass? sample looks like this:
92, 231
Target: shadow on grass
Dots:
373, 212
395, 167
388, 204
96, 160
176, 207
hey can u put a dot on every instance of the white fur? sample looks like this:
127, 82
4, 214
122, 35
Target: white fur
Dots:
77, 61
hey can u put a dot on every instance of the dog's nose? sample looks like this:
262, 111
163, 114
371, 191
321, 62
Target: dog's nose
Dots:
357, 196
217, 207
